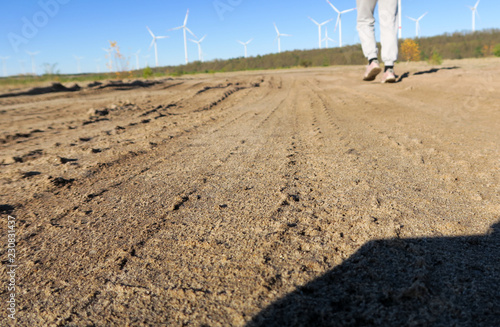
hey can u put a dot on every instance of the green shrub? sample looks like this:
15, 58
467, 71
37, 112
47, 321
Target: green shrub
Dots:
478, 52
496, 50
435, 58
147, 72
178, 72
305, 63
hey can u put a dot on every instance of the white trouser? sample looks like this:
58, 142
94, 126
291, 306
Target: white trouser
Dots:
388, 13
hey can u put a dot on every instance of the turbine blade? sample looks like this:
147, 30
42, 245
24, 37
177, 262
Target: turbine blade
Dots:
333, 7
186, 19
187, 29
250, 40
315, 22
477, 3
348, 10
240, 42
150, 32
413, 19
162, 37
202, 38
326, 22
275, 27
419, 18
176, 28
337, 23
285, 34
152, 43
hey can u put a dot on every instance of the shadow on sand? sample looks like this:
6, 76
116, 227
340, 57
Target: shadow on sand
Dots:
445, 281
430, 71
6, 209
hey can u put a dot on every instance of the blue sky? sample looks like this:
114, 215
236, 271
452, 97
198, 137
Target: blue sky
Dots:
61, 29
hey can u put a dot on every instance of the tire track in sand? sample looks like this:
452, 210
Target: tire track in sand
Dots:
150, 229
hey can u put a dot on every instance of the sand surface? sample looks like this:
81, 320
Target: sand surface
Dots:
273, 198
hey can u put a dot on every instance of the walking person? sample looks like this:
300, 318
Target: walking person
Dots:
388, 12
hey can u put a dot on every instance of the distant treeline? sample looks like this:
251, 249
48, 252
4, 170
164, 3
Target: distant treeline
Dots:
450, 46
458, 45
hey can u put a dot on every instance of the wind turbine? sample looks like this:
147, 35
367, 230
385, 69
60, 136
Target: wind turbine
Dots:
319, 28
200, 53
153, 42
98, 66
278, 37
23, 68
339, 20
185, 28
417, 23
110, 62
147, 57
4, 59
78, 69
474, 13
245, 45
326, 39
32, 55
137, 59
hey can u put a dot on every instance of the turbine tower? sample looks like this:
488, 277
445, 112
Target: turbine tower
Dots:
137, 59
153, 42
23, 68
33, 66
339, 19
200, 53
319, 28
417, 23
98, 66
146, 58
474, 13
185, 28
245, 45
278, 37
399, 18
4, 67
326, 39
78, 69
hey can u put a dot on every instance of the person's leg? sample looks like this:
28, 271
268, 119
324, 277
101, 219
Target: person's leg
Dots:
388, 13
366, 27
366, 30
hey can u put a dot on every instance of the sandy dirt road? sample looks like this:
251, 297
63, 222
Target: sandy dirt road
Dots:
277, 198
